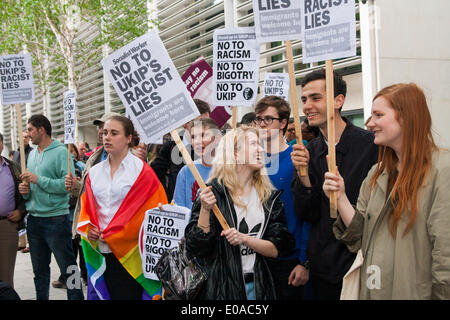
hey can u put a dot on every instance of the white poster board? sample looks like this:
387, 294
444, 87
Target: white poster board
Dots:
329, 30
277, 20
160, 231
16, 77
235, 66
150, 87
70, 120
276, 84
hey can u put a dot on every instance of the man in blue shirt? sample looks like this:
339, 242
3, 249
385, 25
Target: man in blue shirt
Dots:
205, 135
290, 273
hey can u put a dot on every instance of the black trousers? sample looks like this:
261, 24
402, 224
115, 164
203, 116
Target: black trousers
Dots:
121, 285
280, 270
7, 292
324, 290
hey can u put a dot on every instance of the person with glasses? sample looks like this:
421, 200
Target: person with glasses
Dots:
291, 272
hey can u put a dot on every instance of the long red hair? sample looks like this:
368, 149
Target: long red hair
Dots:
410, 106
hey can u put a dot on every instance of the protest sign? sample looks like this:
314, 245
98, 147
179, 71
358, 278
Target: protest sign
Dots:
276, 84
160, 231
329, 30
198, 80
235, 65
17, 86
149, 86
69, 116
16, 77
277, 20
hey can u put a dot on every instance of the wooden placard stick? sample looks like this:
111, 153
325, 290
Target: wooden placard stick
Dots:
234, 119
23, 164
294, 98
69, 150
197, 176
331, 131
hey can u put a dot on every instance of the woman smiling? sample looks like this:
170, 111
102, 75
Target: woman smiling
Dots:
235, 258
402, 219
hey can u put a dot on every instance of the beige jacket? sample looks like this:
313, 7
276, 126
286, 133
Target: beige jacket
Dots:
414, 266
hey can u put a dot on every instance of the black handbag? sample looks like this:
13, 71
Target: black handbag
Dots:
182, 276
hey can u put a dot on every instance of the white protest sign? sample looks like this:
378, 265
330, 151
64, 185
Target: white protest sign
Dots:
160, 231
235, 66
329, 30
276, 84
150, 87
16, 77
277, 20
69, 116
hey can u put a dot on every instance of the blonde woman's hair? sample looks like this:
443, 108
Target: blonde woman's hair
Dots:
224, 166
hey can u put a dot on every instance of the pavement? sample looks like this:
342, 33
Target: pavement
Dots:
24, 283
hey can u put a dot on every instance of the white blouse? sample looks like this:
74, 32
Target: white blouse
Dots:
109, 193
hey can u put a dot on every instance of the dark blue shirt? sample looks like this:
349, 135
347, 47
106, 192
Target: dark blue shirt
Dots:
280, 170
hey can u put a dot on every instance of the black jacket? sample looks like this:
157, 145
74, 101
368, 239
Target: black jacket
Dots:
355, 155
167, 164
16, 157
15, 173
223, 261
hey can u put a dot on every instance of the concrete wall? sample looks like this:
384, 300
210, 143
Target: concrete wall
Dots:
409, 42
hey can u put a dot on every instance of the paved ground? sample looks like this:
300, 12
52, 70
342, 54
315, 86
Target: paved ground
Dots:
24, 283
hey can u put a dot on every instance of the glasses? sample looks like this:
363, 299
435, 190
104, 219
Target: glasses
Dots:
267, 120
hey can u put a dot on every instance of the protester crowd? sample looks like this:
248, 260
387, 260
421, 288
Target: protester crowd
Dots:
391, 183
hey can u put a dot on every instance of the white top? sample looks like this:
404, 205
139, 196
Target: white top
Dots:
250, 221
109, 193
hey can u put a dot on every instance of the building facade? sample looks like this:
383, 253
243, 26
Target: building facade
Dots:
389, 49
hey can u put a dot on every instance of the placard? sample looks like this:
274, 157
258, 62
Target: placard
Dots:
160, 231
277, 20
235, 65
16, 77
198, 79
276, 84
329, 30
150, 87
69, 116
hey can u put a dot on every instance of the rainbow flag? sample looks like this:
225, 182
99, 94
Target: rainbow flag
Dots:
121, 234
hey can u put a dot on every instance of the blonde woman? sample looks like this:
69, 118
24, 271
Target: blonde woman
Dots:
235, 258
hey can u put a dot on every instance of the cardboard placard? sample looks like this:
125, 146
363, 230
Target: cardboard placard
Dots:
70, 120
236, 66
329, 30
277, 20
16, 77
150, 87
276, 84
160, 231
198, 79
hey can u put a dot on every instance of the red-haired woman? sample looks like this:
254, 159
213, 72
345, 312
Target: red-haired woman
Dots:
401, 221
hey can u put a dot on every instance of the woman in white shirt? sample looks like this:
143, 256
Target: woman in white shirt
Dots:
118, 192
235, 258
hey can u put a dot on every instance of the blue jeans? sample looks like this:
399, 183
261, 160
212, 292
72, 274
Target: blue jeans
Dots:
250, 290
46, 236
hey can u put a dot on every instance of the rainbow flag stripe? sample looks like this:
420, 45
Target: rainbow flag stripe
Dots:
121, 234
